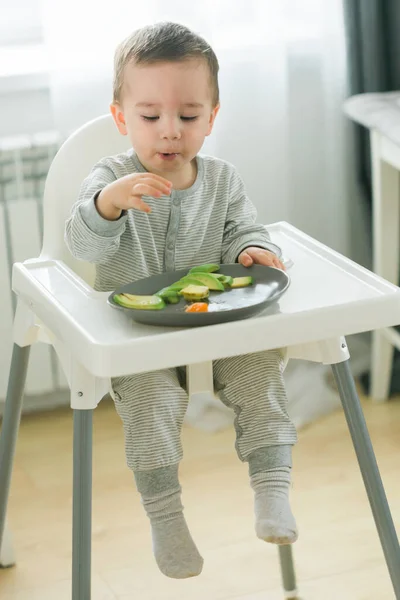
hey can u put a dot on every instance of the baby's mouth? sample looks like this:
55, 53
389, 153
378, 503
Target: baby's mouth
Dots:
168, 155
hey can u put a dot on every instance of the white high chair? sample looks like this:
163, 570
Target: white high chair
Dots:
329, 297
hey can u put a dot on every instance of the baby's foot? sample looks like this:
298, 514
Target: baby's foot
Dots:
174, 549
275, 522
175, 552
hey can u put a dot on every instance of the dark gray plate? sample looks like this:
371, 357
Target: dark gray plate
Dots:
232, 305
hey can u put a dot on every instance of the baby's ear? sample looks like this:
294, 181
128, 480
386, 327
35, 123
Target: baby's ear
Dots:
213, 114
118, 116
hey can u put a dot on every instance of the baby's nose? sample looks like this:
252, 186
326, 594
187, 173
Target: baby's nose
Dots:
171, 129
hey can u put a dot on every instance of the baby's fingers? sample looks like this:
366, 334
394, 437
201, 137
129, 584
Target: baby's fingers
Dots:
245, 259
138, 204
261, 257
151, 187
278, 264
145, 189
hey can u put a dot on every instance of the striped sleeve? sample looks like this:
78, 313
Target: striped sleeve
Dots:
241, 229
88, 235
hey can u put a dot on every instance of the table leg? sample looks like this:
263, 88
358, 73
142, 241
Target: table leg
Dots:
369, 470
386, 248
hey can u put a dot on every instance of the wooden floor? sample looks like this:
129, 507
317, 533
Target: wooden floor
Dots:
338, 555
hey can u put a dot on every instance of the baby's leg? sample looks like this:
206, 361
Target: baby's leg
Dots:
152, 407
253, 386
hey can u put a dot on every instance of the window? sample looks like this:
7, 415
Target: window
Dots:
20, 22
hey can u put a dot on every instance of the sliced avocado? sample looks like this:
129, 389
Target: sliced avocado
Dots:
208, 268
227, 280
210, 281
165, 292
187, 280
191, 279
168, 295
195, 292
139, 302
240, 282
173, 299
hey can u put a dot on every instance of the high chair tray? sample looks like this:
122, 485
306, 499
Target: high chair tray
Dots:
329, 296
269, 284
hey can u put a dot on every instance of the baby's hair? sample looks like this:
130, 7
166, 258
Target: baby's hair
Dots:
163, 42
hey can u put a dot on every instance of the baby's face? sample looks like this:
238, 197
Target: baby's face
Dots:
167, 112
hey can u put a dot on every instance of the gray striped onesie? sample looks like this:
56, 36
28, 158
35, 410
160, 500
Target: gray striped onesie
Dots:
212, 221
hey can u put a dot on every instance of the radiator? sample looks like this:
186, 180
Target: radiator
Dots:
24, 163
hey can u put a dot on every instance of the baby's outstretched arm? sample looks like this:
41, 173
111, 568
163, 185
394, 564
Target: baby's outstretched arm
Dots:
98, 218
241, 229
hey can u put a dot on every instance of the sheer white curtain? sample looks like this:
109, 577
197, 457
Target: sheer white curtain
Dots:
282, 79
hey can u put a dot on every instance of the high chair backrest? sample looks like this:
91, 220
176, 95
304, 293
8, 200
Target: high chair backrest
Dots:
72, 163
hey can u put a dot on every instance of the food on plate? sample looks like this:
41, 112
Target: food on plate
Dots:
240, 282
193, 287
139, 302
212, 282
169, 296
197, 307
187, 280
209, 268
227, 280
195, 292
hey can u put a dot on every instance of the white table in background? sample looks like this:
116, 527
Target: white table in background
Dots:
380, 113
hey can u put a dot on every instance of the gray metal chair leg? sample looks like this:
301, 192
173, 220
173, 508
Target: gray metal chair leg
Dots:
82, 505
288, 572
11, 420
369, 470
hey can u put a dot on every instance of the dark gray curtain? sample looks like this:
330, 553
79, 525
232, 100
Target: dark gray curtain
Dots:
373, 53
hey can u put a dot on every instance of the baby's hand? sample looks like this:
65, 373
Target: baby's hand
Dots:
127, 192
259, 256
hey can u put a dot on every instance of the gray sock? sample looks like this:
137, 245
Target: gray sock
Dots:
275, 522
269, 469
174, 549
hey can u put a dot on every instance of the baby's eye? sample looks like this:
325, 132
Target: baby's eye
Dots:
146, 118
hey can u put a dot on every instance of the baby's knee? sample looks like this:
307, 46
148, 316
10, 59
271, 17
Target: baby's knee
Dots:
148, 384
246, 369
269, 358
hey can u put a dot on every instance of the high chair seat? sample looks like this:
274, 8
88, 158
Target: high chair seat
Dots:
329, 297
